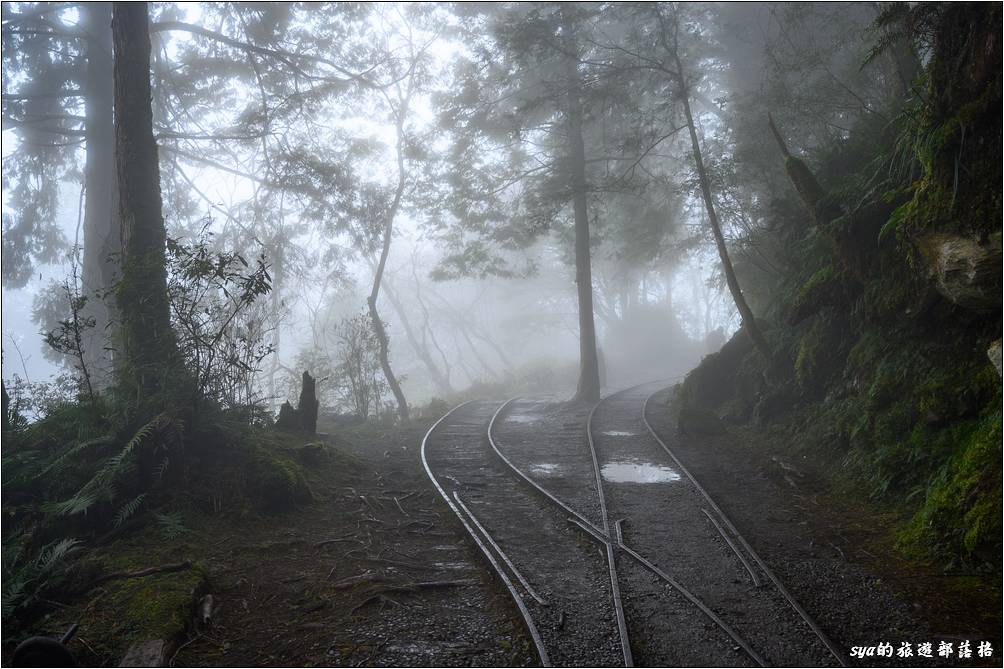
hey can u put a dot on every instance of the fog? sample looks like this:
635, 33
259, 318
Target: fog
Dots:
302, 159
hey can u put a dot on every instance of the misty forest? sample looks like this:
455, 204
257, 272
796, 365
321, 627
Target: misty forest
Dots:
501, 334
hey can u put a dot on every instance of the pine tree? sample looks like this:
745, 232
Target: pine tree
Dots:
150, 355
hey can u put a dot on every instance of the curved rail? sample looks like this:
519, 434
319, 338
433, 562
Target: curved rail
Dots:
602, 535
604, 538
832, 647
614, 585
520, 604
498, 549
587, 525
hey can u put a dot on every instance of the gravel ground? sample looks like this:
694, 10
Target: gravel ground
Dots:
577, 623
284, 600
835, 554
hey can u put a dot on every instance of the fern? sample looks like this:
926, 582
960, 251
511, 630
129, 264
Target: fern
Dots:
129, 508
24, 580
162, 468
171, 524
57, 465
101, 487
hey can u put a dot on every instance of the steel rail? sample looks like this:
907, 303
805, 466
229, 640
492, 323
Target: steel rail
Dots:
689, 595
732, 545
603, 538
647, 564
498, 549
614, 585
832, 647
520, 604
593, 529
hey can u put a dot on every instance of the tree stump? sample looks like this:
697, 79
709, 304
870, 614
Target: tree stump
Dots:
304, 417
309, 404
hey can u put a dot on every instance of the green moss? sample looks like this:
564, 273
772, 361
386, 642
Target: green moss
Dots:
275, 479
810, 351
154, 607
961, 512
824, 288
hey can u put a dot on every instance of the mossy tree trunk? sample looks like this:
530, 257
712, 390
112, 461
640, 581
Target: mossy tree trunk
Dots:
748, 320
150, 354
101, 238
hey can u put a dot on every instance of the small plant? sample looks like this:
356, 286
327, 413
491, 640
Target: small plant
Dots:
25, 578
68, 336
171, 525
359, 377
104, 486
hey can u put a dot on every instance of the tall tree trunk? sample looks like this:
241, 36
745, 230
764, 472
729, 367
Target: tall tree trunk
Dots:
589, 371
439, 380
101, 238
150, 350
749, 322
278, 284
371, 301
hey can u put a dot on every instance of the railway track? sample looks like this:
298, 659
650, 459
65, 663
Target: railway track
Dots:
557, 578
660, 625
672, 581
669, 518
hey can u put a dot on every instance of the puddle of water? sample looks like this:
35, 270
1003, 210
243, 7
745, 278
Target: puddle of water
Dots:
619, 433
544, 469
638, 472
523, 418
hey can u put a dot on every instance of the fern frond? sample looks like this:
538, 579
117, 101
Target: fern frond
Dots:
22, 583
55, 553
81, 502
57, 465
171, 524
162, 468
129, 508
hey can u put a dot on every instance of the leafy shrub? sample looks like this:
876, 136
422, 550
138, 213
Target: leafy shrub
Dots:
222, 325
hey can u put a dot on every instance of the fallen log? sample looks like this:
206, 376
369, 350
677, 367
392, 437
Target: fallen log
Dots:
149, 571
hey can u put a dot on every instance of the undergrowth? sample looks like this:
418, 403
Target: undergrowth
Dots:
882, 373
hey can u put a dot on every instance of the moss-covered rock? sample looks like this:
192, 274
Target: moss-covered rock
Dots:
275, 479
966, 271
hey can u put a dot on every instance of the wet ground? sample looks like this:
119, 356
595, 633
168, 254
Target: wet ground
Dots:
837, 554
379, 571
565, 586
398, 582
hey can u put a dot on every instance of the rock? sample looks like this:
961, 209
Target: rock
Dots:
965, 271
313, 453
42, 651
149, 653
994, 353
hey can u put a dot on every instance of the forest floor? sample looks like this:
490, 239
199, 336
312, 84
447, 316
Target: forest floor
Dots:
376, 571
